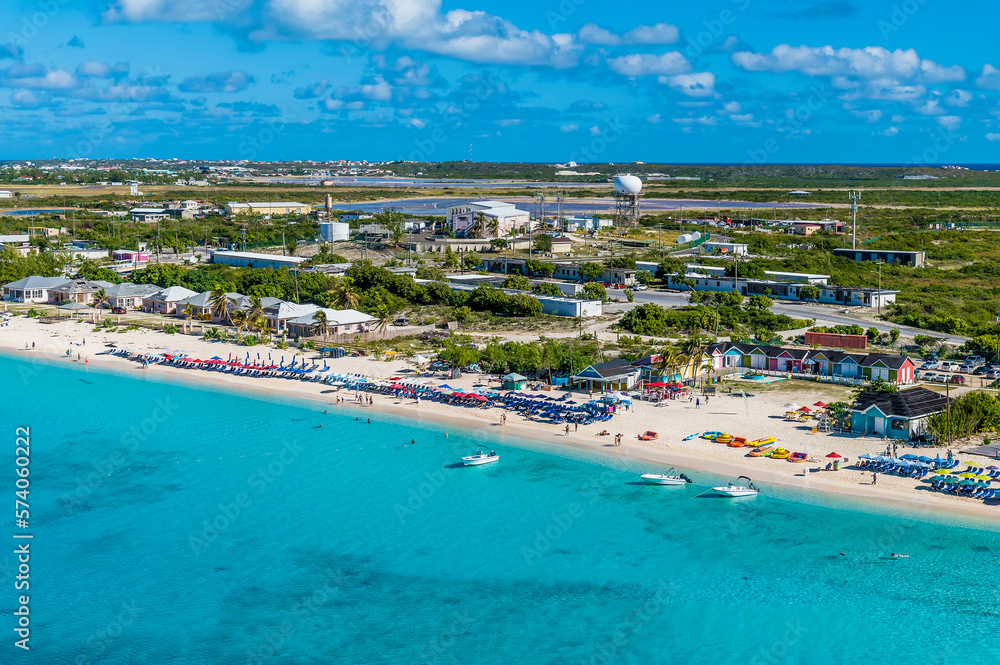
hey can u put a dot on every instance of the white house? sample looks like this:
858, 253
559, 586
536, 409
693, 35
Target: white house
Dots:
129, 295
32, 289
6, 194
339, 321
498, 219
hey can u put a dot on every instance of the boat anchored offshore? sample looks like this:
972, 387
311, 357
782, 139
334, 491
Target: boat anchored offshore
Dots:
666, 478
481, 457
735, 490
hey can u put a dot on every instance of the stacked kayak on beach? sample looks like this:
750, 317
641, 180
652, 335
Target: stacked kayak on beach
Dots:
758, 447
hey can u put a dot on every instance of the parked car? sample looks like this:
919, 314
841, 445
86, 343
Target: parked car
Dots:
928, 365
943, 378
959, 379
949, 366
979, 371
118, 310
975, 360
640, 287
401, 322
965, 369
929, 376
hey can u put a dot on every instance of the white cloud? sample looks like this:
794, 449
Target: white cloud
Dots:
661, 33
732, 107
871, 115
897, 118
654, 119
890, 131
698, 84
37, 77
931, 107
572, 127
993, 137
950, 121
704, 120
872, 73
646, 64
959, 98
989, 78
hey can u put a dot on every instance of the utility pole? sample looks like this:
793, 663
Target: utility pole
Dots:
855, 196
879, 303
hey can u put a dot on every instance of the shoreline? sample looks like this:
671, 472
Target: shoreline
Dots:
888, 497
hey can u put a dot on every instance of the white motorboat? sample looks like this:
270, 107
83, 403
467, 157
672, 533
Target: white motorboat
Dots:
481, 457
736, 489
665, 478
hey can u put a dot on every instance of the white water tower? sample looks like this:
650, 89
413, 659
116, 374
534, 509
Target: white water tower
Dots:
627, 191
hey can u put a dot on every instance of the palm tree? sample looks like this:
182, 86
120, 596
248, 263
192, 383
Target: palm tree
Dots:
239, 320
188, 313
478, 227
694, 349
344, 294
321, 324
222, 304
384, 316
668, 361
100, 298
494, 227
255, 309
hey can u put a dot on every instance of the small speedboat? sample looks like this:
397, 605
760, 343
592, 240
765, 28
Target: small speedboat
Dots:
666, 479
649, 436
481, 457
736, 490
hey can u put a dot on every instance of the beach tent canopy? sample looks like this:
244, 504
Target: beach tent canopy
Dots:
74, 306
420, 360
821, 405
514, 376
834, 455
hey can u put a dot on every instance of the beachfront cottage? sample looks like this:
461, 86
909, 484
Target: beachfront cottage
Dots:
650, 368
129, 295
279, 314
820, 362
165, 301
616, 374
78, 291
201, 305
902, 415
338, 321
31, 289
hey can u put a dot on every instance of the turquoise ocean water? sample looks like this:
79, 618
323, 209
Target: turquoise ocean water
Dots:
227, 529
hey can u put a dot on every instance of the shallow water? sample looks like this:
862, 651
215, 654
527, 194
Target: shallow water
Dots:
228, 529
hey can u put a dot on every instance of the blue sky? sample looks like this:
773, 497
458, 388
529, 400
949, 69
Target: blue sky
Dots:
745, 81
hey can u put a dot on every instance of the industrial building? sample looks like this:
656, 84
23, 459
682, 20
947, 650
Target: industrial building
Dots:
334, 231
255, 260
486, 219
277, 208
900, 257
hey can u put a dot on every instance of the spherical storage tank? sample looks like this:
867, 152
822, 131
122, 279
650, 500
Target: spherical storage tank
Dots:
627, 184
684, 239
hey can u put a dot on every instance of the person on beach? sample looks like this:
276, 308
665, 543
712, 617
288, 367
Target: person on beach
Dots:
874, 478
576, 427
567, 429
697, 403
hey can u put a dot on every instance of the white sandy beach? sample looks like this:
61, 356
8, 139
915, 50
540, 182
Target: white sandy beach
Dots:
758, 417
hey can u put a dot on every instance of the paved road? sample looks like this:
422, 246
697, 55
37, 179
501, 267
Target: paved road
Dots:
823, 314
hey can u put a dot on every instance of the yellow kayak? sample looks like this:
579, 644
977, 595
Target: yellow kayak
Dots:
763, 442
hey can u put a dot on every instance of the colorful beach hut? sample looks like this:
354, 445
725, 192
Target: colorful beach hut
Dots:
513, 381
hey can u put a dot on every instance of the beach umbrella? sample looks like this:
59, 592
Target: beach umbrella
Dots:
967, 481
966, 475
216, 358
908, 456
942, 472
834, 455
792, 406
821, 405
805, 409
984, 477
